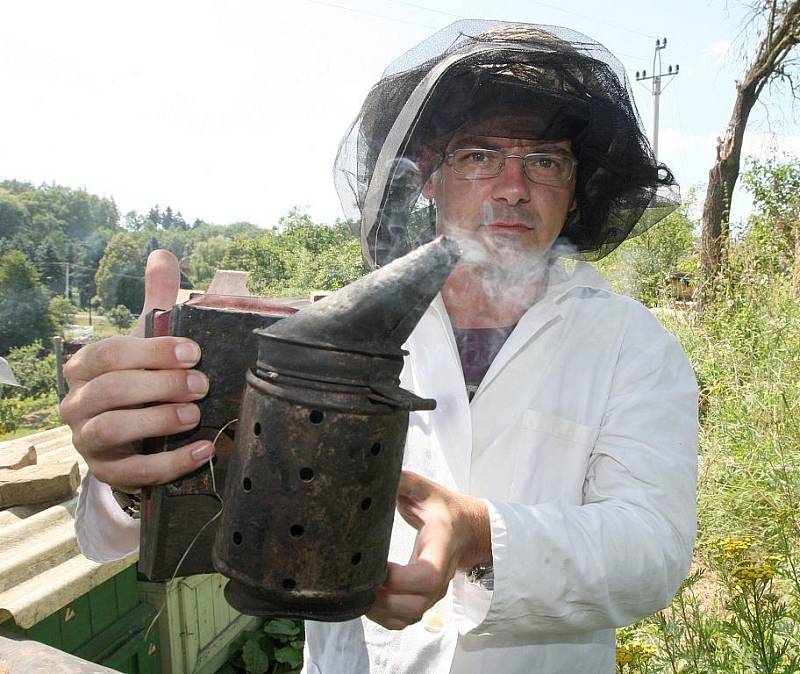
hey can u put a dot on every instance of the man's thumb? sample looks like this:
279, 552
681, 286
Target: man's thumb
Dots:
162, 279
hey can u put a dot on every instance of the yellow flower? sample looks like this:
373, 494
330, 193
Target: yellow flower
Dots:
634, 652
752, 571
733, 547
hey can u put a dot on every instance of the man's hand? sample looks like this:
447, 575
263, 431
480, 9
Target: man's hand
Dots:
110, 382
452, 533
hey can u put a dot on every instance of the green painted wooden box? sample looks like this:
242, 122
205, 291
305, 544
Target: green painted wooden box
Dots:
106, 625
196, 626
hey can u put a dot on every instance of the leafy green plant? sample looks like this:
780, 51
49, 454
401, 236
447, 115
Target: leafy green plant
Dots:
11, 413
62, 312
34, 368
120, 317
275, 649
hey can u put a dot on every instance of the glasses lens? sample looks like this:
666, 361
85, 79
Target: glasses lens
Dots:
477, 163
544, 167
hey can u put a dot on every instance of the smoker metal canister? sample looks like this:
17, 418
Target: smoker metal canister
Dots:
311, 487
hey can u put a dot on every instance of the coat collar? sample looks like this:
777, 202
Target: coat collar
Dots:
565, 277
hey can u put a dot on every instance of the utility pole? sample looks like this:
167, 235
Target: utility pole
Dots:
66, 283
656, 77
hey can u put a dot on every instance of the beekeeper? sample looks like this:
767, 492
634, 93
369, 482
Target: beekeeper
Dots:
550, 497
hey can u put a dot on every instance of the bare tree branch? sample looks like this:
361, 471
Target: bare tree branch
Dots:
771, 63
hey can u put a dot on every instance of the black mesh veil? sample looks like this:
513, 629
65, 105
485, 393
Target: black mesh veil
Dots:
570, 84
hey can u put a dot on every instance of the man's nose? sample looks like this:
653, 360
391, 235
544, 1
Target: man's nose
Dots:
512, 186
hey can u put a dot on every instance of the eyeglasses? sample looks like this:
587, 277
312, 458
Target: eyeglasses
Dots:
547, 168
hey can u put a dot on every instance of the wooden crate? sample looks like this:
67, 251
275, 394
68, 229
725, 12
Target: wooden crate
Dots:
107, 625
196, 626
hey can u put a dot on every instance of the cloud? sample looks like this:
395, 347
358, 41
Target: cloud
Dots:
718, 50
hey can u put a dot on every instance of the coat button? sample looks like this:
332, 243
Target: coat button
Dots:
432, 621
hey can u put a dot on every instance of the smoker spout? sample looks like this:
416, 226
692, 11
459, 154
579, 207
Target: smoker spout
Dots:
375, 314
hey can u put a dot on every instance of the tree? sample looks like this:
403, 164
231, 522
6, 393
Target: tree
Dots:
24, 314
298, 257
120, 275
153, 219
13, 214
120, 317
62, 311
206, 258
772, 62
774, 228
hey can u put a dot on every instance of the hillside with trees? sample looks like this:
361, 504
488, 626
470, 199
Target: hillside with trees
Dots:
739, 610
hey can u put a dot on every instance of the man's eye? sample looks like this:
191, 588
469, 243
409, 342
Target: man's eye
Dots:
547, 163
478, 157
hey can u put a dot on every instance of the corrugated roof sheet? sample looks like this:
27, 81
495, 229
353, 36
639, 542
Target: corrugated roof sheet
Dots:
41, 568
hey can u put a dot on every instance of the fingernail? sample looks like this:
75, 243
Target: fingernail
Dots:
187, 352
203, 452
188, 414
196, 382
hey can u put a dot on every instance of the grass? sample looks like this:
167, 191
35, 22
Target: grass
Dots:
739, 611
101, 327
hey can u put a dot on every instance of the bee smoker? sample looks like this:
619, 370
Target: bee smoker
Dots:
310, 492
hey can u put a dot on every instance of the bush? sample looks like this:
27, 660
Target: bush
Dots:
120, 317
276, 648
739, 612
35, 369
62, 312
24, 315
11, 413
639, 267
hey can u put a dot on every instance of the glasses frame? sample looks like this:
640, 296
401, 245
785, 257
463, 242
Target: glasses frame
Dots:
450, 156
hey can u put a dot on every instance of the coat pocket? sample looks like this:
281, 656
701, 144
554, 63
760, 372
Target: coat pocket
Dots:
551, 458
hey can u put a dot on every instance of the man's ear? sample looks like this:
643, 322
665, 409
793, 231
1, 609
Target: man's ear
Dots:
429, 189
573, 204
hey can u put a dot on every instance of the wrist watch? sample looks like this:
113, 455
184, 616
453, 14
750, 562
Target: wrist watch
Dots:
482, 575
130, 503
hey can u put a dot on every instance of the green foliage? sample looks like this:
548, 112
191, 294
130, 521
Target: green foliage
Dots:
639, 267
120, 276
276, 648
35, 369
298, 257
739, 612
11, 414
775, 186
13, 214
62, 312
771, 238
120, 317
24, 315
206, 258
55, 225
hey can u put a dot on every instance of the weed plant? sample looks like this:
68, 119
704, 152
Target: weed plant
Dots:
739, 610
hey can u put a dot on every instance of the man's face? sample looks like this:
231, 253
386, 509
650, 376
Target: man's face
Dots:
509, 216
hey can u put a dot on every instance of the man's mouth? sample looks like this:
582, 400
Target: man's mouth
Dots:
509, 227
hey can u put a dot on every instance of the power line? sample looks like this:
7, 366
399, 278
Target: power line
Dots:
427, 9
81, 266
366, 13
591, 18
657, 89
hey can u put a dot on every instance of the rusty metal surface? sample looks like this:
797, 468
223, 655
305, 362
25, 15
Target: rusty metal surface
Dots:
311, 486
173, 514
309, 506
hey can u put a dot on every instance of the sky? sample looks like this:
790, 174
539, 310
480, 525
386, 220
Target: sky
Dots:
234, 111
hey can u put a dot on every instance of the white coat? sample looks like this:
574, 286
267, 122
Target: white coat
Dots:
582, 438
